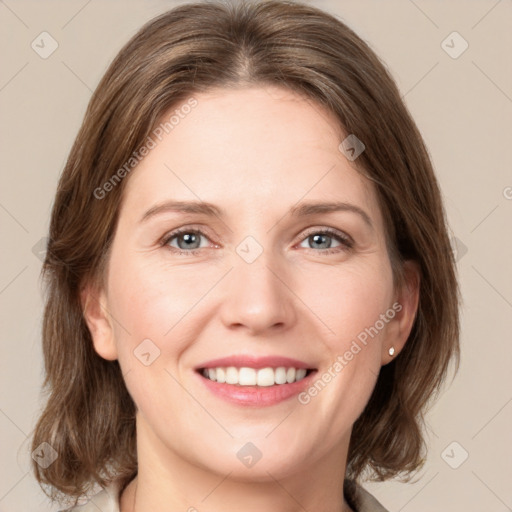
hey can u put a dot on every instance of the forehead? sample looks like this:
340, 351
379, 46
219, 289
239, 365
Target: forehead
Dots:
251, 147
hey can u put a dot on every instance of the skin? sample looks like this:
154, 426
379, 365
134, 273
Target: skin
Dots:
255, 152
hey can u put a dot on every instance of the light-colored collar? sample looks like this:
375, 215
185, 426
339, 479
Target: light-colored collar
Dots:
108, 499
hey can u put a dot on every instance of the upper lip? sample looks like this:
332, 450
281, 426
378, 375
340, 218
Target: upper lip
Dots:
256, 362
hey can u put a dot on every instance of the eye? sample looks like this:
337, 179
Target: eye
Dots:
187, 239
322, 239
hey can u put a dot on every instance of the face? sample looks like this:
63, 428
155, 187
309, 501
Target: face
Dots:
259, 280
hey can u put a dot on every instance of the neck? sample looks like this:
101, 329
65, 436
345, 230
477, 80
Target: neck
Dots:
165, 481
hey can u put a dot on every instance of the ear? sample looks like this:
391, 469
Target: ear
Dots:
406, 307
97, 317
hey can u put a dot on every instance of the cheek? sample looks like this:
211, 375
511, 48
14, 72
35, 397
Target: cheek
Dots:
150, 305
348, 299
352, 303
152, 301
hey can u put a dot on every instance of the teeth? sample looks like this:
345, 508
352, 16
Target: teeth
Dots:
246, 377
219, 375
251, 377
280, 375
300, 374
231, 375
266, 377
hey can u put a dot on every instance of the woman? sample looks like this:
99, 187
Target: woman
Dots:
202, 351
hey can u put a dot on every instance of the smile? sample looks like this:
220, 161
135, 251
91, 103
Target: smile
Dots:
262, 377
256, 381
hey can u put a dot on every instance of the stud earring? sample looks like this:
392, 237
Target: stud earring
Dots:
391, 351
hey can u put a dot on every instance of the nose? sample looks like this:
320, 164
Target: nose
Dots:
258, 298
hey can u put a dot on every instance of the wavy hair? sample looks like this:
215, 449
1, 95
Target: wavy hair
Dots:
89, 416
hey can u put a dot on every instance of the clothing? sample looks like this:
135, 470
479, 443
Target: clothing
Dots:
108, 500
360, 499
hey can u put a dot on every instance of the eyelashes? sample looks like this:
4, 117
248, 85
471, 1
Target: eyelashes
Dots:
346, 243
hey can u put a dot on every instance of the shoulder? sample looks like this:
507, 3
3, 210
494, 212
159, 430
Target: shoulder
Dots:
107, 501
360, 499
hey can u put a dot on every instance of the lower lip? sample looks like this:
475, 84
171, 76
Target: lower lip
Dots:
256, 396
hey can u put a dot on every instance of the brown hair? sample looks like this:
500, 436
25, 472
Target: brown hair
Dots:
89, 417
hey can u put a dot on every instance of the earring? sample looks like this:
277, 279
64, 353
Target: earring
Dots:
391, 351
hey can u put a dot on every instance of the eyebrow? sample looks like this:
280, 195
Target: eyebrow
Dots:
297, 211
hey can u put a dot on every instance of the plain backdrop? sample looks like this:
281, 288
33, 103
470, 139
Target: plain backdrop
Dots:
461, 99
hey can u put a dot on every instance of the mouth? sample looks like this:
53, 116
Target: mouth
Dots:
251, 381
262, 377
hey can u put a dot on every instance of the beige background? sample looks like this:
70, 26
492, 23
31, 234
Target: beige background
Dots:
463, 106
